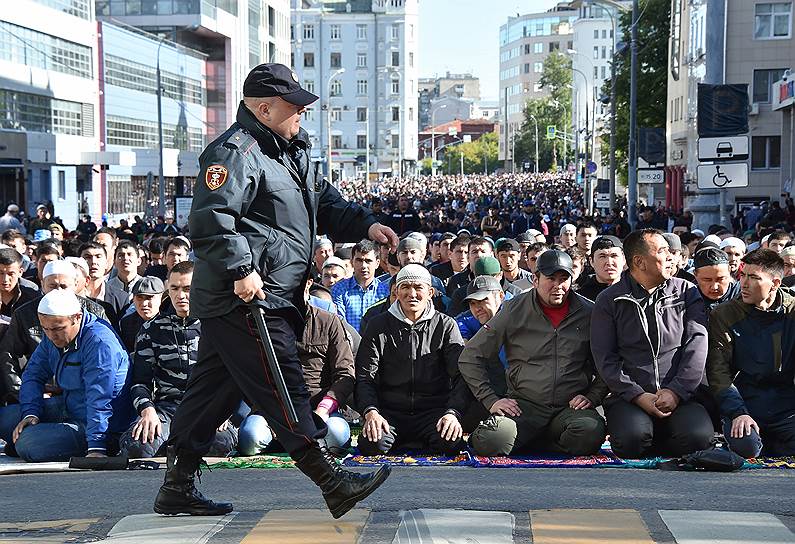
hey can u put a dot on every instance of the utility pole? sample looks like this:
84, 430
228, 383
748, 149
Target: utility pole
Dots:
161, 182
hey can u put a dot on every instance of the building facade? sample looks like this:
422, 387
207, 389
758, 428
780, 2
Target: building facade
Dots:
129, 120
235, 35
595, 36
49, 102
525, 42
465, 87
360, 58
758, 49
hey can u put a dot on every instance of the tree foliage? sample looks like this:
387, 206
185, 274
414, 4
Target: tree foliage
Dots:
653, 31
480, 155
554, 109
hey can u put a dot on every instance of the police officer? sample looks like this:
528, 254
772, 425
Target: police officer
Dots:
257, 206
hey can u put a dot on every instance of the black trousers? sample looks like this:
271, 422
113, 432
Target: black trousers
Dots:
231, 366
634, 434
411, 431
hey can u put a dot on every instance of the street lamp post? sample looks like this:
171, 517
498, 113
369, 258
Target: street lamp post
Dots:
433, 138
328, 125
367, 146
161, 182
632, 189
535, 123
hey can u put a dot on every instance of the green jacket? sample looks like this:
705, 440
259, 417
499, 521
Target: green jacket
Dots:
547, 366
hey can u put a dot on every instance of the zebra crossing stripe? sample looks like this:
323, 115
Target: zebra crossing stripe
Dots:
156, 529
707, 527
588, 527
454, 527
302, 526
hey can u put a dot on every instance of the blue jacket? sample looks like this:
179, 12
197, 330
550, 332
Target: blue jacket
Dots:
468, 324
92, 372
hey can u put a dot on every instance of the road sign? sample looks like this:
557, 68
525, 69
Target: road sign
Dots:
551, 132
724, 175
590, 167
725, 148
602, 200
467, 138
651, 175
452, 131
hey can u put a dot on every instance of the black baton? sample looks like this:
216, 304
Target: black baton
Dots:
273, 364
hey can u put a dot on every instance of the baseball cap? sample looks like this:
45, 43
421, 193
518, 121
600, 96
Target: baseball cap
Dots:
674, 242
481, 286
487, 266
273, 79
508, 244
149, 285
553, 261
42, 234
526, 237
606, 241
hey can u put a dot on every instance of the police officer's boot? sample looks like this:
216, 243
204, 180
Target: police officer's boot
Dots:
341, 488
178, 494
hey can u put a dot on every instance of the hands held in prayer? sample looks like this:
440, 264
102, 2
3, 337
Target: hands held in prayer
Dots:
660, 404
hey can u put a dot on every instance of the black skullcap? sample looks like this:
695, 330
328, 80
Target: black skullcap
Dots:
607, 241
709, 256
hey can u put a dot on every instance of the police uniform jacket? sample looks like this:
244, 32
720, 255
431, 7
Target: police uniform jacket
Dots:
258, 204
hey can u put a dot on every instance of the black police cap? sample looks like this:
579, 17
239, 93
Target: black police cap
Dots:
274, 79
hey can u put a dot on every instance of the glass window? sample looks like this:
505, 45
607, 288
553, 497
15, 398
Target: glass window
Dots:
765, 152
595, 34
411, 114
361, 141
140, 77
20, 45
604, 72
334, 32
140, 133
309, 60
78, 8
336, 60
395, 113
336, 114
395, 32
309, 85
595, 72
37, 113
604, 34
596, 51
395, 58
62, 184
336, 87
361, 86
538, 67
336, 142
395, 86
772, 20
361, 115
361, 32
361, 60
763, 83
411, 59
309, 32
395, 141
538, 47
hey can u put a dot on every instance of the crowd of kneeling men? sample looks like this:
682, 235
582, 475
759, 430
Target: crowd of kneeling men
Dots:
513, 343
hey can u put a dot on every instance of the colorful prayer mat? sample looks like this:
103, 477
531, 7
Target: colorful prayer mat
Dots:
409, 460
258, 461
602, 459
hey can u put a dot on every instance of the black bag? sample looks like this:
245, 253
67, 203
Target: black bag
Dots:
711, 460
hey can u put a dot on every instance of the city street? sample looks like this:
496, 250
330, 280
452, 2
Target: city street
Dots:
106, 498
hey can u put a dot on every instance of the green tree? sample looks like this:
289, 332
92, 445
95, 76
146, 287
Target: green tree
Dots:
653, 32
479, 155
554, 109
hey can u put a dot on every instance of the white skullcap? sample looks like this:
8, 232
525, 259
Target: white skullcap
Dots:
333, 261
60, 268
714, 238
60, 302
567, 227
698, 232
765, 238
414, 273
81, 262
733, 241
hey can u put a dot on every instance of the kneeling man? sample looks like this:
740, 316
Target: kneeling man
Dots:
89, 364
552, 384
408, 387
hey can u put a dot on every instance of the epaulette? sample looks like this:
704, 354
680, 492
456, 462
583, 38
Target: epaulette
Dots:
240, 139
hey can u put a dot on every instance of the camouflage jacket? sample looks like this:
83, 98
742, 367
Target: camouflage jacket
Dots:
165, 351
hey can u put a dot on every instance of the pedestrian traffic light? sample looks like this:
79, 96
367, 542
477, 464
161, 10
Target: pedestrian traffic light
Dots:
550, 132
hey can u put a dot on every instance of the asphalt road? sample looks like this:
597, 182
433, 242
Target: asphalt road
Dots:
113, 495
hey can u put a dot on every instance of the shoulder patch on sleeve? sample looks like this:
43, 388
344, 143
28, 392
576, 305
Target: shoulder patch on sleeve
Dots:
215, 176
